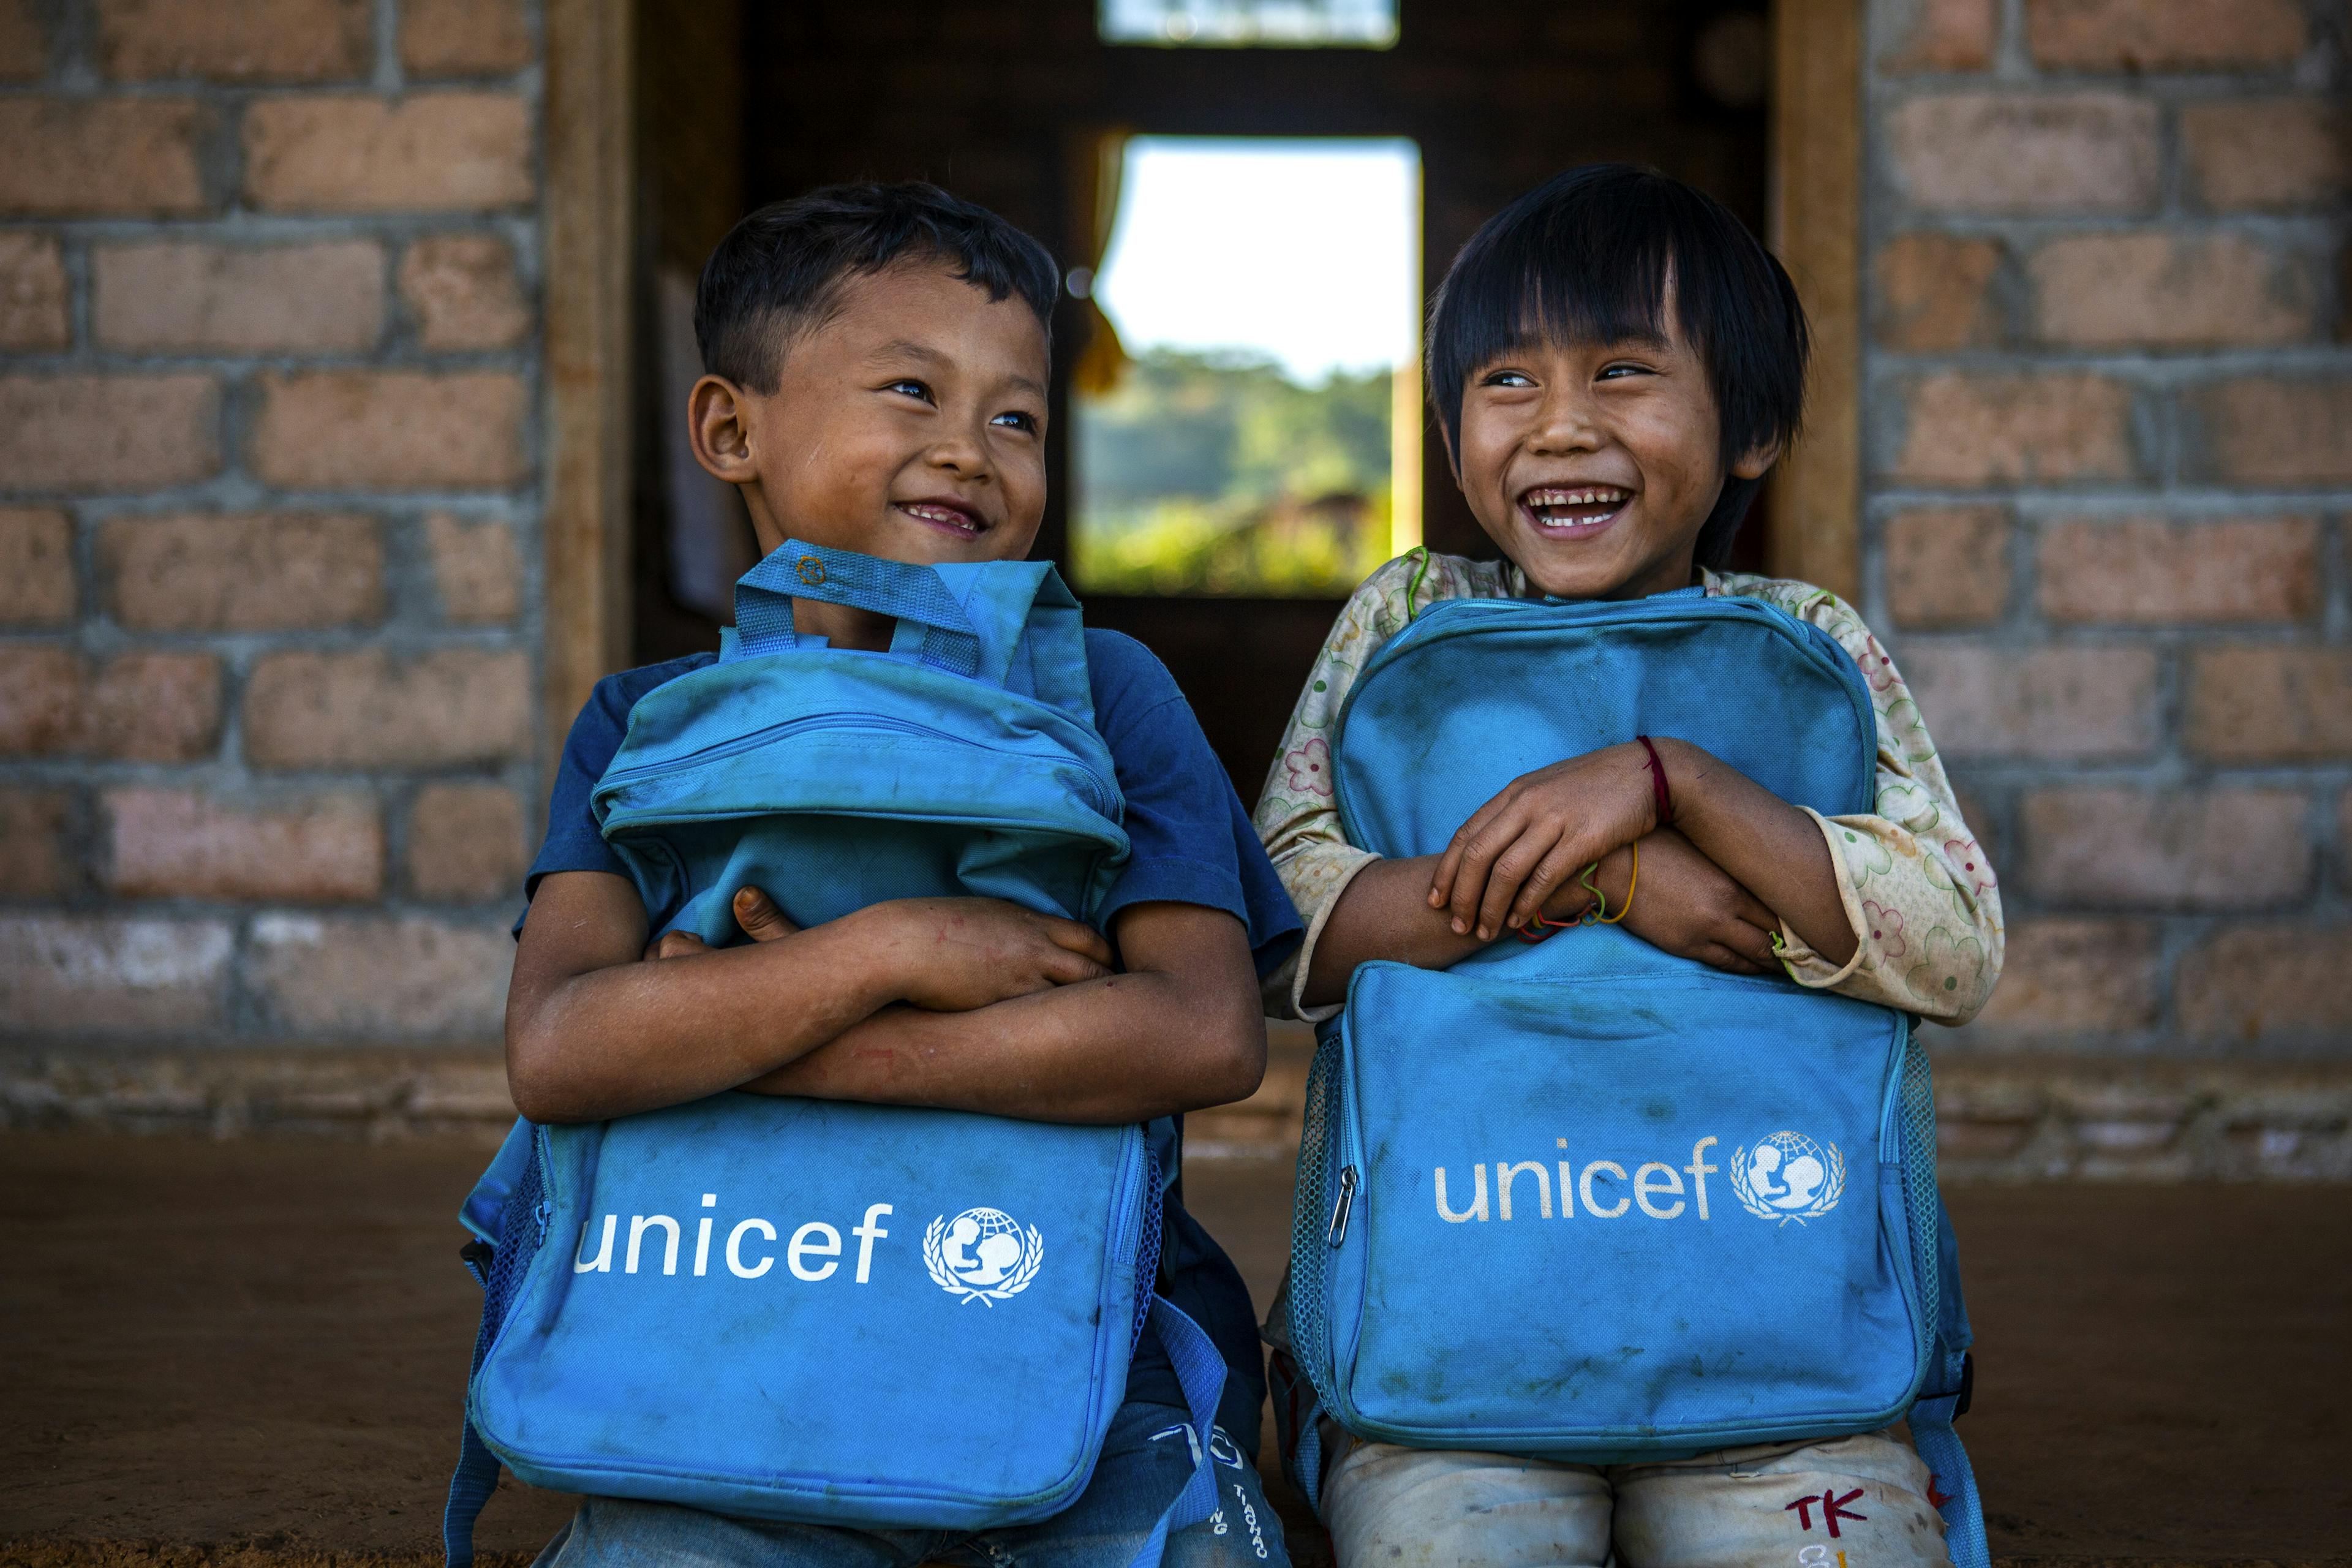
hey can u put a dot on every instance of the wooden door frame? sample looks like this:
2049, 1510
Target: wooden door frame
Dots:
1815, 174
588, 370
1814, 177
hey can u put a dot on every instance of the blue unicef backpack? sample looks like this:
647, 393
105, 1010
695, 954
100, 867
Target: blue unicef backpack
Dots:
843, 1314
1584, 1199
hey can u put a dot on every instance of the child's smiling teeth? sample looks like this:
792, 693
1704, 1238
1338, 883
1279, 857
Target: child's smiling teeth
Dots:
1589, 505
945, 516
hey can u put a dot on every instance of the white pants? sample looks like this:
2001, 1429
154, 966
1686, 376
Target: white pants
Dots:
1846, 1502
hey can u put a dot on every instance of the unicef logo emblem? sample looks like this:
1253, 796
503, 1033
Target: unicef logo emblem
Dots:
1787, 1177
981, 1256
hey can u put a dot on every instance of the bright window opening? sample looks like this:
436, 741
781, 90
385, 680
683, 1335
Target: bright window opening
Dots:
1254, 427
1363, 24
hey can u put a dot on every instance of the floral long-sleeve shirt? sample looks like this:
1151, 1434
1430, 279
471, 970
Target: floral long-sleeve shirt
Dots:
1917, 891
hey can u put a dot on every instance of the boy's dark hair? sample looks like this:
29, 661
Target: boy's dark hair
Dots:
779, 271
1586, 257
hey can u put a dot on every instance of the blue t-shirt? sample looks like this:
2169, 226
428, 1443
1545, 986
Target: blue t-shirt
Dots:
1190, 842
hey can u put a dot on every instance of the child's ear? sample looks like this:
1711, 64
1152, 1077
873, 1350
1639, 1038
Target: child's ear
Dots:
1757, 461
716, 424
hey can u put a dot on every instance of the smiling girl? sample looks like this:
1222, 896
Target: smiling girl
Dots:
1616, 363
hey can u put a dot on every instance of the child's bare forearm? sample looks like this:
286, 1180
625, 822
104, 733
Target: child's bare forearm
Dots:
594, 1032
1768, 847
1112, 1050
1179, 1030
1382, 913
625, 1036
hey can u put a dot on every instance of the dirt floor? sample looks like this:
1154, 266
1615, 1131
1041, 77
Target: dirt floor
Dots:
252, 1352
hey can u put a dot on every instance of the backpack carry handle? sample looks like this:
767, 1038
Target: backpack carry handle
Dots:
912, 595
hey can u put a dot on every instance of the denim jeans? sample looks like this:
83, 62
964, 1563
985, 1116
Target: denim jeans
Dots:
1145, 1461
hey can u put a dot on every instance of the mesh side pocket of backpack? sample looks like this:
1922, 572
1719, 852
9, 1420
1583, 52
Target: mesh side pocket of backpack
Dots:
1146, 1244
523, 1231
1310, 1239
1917, 1109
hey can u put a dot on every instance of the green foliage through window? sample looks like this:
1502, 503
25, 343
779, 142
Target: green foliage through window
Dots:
1216, 473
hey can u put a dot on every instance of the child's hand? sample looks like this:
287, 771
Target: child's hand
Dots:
956, 953
1687, 905
754, 911
1531, 842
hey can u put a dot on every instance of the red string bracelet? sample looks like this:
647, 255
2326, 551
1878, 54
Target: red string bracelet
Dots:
1658, 784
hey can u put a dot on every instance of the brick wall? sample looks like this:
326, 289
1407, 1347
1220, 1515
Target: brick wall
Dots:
2108, 419
268, 435
270, 576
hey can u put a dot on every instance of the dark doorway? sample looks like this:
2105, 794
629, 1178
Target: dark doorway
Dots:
1007, 105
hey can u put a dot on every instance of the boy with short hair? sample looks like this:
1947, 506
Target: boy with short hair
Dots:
1616, 363
877, 368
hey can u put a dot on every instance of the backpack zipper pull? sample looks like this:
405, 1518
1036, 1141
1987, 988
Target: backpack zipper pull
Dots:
1340, 1207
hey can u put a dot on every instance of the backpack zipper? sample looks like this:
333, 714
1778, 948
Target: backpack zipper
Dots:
1129, 1215
1342, 1206
1351, 1157
1416, 636
1098, 792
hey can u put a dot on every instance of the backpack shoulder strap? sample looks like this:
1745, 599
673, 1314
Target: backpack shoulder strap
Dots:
1201, 1371
1948, 1463
476, 1478
1932, 1414
471, 1487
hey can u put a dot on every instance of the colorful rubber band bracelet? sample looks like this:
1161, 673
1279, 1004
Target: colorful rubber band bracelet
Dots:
1631, 883
1596, 914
